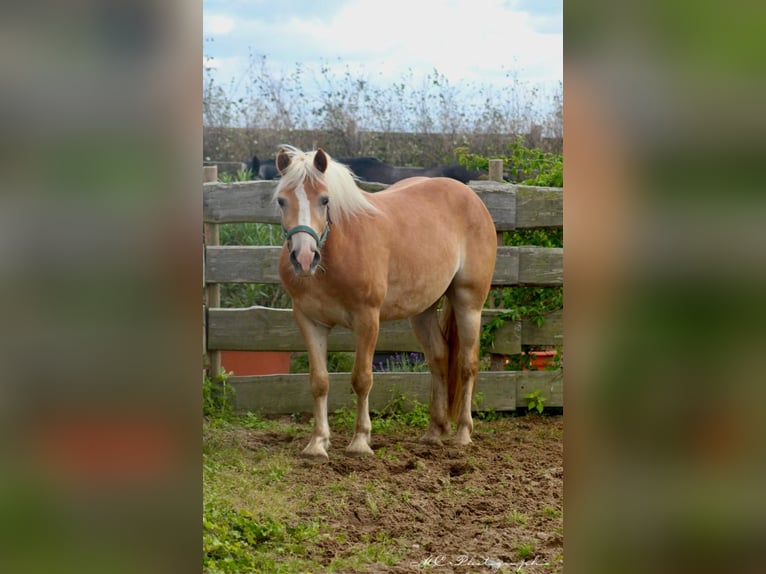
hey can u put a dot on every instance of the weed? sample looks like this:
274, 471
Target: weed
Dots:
400, 410
235, 540
384, 454
516, 517
484, 415
253, 421
217, 396
524, 551
371, 503
535, 401
344, 417
551, 512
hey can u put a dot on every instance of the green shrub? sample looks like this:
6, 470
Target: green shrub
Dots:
217, 396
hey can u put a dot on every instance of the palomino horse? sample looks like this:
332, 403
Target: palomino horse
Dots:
353, 258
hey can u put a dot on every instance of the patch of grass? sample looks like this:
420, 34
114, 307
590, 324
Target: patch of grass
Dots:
378, 550
516, 517
239, 541
551, 512
410, 413
343, 418
217, 396
524, 551
399, 413
384, 454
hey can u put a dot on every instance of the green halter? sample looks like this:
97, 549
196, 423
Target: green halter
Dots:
306, 229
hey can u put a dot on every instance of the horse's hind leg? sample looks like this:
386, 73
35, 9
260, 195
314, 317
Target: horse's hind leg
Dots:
427, 330
366, 327
467, 304
316, 343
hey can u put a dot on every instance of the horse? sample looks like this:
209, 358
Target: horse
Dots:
265, 169
354, 259
372, 169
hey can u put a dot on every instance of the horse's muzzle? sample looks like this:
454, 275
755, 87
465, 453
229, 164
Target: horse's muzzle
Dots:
304, 254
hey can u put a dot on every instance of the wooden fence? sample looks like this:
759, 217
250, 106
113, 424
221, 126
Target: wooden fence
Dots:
266, 329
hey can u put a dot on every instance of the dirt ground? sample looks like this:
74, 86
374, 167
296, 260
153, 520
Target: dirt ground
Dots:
496, 505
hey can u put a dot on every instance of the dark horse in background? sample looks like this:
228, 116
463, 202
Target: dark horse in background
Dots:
372, 169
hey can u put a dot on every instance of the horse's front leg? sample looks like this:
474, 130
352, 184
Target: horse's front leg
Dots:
366, 330
316, 343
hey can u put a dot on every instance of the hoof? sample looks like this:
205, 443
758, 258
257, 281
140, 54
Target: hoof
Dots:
359, 447
432, 440
315, 453
462, 439
359, 451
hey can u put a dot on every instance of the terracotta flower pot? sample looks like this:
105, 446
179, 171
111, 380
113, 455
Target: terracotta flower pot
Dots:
256, 362
539, 360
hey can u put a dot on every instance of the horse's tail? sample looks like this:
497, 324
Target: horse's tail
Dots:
454, 367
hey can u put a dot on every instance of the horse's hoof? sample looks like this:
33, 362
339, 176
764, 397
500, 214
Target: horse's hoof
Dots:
462, 439
315, 455
359, 451
431, 440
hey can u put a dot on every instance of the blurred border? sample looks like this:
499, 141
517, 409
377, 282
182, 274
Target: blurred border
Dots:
100, 281
665, 266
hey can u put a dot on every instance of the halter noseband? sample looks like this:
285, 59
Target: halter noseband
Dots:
306, 229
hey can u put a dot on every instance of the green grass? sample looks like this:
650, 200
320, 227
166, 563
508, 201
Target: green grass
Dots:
525, 551
516, 517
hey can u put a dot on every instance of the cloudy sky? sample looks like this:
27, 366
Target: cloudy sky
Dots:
479, 41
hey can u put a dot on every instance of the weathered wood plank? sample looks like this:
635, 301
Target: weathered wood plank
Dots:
287, 394
245, 201
506, 267
500, 200
541, 266
511, 206
539, 207
549, 383
265, 329
259, 264
551, 332
242, 264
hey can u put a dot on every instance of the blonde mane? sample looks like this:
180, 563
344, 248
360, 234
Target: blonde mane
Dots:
346, 199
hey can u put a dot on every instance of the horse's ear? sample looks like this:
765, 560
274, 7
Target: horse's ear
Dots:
320, 160
283, 160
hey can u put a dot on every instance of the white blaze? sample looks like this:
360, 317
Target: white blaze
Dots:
304, 209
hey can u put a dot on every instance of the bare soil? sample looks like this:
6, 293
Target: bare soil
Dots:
496, 505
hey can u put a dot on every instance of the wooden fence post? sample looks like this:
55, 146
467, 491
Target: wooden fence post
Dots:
497, 362
213, 290
496, 170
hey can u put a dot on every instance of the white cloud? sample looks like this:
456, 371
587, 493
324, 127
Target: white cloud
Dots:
476, 40
216, 24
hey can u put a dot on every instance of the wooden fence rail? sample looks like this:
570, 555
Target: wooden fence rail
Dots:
265, 329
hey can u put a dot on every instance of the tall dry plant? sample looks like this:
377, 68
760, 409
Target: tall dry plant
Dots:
416, 120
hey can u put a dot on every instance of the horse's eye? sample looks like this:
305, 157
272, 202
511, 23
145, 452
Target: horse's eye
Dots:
281, 202
324, 200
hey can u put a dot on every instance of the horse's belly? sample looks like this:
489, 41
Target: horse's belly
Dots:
402, 303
